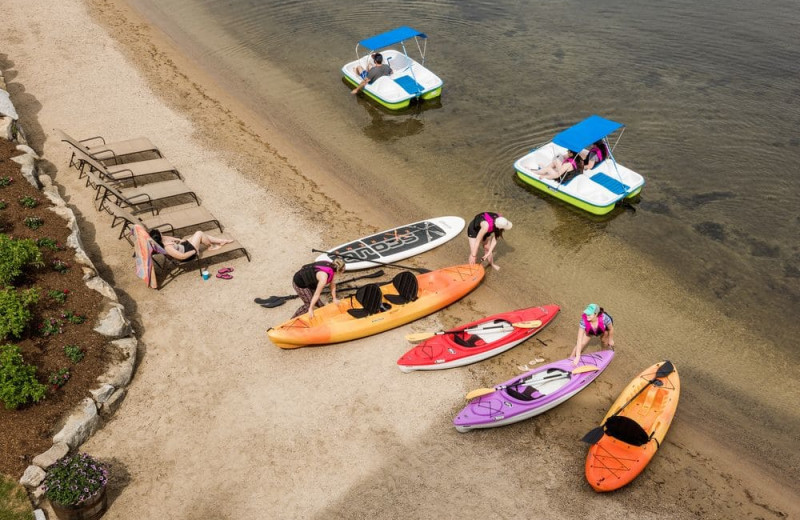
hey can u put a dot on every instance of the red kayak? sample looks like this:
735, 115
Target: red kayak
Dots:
478, 340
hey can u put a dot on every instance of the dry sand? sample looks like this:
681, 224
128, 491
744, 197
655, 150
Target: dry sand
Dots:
218, 423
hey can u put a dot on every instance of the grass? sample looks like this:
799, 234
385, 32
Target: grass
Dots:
14, 504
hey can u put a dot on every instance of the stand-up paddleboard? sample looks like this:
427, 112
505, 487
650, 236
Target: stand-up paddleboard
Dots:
396, 244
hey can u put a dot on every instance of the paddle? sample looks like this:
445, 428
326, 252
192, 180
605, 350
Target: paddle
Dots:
596, 434
353, 257
276, 301
420, 336
585, 368
485, 391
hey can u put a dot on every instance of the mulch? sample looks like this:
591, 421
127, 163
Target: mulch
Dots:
27, 431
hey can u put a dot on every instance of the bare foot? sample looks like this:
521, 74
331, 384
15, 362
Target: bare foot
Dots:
214, 247
496, 267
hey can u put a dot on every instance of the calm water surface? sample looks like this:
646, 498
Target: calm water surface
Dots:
708, 91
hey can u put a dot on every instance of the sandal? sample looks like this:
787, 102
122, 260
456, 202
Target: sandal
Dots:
224, 276
225, 270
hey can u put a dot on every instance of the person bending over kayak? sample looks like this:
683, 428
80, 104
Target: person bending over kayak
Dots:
594, 322
309, 281
372, 72
484, 230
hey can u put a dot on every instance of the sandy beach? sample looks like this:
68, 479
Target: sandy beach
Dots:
218, 422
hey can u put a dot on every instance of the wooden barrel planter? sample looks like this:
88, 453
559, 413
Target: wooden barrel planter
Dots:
91, 509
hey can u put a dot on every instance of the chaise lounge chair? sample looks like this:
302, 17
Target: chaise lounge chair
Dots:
114, 153
168, 223
172, 267
142, 197
122, 173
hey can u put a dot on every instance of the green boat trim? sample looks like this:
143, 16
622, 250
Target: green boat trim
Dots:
575, 201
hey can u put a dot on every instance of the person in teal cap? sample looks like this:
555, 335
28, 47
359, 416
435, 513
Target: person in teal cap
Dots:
594, 322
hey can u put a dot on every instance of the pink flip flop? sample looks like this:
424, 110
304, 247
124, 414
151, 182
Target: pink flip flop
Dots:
225, 270
224, 276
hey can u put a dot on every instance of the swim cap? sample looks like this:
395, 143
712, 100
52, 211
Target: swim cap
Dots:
502, 223
591, 309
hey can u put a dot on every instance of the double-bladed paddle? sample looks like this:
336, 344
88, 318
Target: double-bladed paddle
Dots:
277, 301
420, 336
353, 257
663, 371
486, 391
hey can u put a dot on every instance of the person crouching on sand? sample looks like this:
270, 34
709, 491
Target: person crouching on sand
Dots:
594, 322
484, 230
309, 281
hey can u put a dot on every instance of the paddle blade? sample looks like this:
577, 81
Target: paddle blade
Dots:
273, 303
585, 368
533, 324
416, 337
594, 435
479, 392
665, 369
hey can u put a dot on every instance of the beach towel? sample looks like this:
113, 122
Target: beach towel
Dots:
143, 250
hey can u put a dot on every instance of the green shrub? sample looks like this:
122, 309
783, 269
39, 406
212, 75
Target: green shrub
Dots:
15, 311
74, 353
18, 383
59, 296
15, 256
28, 202
60, 378
33, 222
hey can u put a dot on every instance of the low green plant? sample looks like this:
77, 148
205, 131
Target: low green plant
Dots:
14, 502
51, 327
3, 204
49, 243
74, 353
60, 266
59, 296
16, 255
73, 318
15, 311
5, 181
33, 222
18, 383
28, 202
59, 378
74, 479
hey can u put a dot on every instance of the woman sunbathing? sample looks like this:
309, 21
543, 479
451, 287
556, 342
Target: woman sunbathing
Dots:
183, 249
561, 166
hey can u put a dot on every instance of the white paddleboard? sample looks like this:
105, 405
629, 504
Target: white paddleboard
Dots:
396, 244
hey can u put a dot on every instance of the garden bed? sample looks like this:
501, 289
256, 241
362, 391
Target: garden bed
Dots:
55, 323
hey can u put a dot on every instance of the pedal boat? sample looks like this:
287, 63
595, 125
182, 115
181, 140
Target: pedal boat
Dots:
409, 79
597, 190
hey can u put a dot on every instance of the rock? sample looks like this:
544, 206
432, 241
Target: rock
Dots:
28, 150
37, 495
113, 402
100, 395
48, 458
7, 128
113, 323
121, 371
7, 107
28, 164
98, 284
81, 423
39, 515
33, 476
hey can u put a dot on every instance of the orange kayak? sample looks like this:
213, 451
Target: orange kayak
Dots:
333, 323
631, 437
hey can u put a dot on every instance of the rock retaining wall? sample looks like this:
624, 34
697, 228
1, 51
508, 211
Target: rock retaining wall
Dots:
89, 414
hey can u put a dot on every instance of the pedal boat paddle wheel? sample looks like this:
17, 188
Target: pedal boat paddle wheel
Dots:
409, 79
597, 190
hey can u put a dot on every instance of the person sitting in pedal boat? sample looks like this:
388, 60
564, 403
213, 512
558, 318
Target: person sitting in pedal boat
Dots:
372, 72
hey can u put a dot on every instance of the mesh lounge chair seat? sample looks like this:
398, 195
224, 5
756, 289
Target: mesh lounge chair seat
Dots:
112, 153
128, 172
141, 197
170, 223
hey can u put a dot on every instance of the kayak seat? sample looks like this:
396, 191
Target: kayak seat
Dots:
407, 288
369, 296
627, 430
529, 393
466, 340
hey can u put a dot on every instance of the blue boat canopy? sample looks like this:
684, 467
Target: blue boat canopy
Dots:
388, 38
588, 131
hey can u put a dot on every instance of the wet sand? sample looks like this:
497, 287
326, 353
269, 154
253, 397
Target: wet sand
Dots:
219, 423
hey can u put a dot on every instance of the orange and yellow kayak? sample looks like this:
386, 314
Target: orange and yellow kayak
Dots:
631, 437
333, 324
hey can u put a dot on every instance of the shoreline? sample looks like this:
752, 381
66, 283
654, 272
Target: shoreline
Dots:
169, 353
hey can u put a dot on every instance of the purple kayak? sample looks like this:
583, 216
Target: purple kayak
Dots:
531, 393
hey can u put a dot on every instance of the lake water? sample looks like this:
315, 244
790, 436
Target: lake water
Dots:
710, 98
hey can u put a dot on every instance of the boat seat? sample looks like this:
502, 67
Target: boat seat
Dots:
407, 288
369, 296
529, 393
409, 84
398, 63
467, 340
627, 430
612, 185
